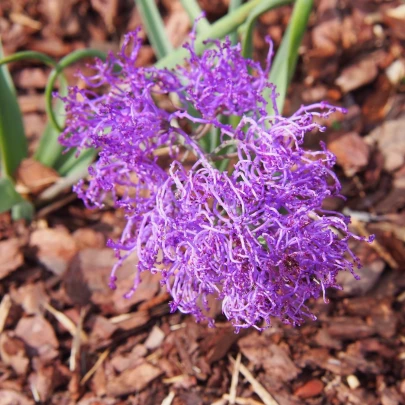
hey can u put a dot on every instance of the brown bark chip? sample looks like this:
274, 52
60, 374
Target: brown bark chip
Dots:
132, 380
54, 248
310, 389
39, 336
11, 257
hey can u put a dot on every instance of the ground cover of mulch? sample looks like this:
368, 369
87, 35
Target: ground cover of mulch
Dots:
66, 338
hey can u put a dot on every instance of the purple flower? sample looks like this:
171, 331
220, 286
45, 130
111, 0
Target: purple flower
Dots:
256, 237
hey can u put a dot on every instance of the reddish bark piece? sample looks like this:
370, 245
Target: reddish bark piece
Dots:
108, 11
31, 78
310, 389
31, 297
351, 151
155, 338
88, 275
274, 360
129, 360
101, 329
55, 248
39, 336
14, 398
88, 238
370, 272
349, 328
12, 352
132, 380
395, 18
391, 141
11, 257
44, 381
357, 75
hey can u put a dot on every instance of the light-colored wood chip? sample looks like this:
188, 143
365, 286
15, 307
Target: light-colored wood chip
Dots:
380, 249
4, 310
257, 387
75, 352
235, 378
66, 322
243, 401
169, 399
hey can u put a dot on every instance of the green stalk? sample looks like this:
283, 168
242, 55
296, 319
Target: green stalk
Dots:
219, 29
49, 150
68, 60
194, 11
154, 27
284, 64
247, 41
31, 55
234, 5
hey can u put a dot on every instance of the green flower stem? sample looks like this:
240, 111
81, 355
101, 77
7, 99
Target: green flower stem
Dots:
31, 55
234, 5
247, 41
194, 11
154, 27
219, 29
284, 63
64, 63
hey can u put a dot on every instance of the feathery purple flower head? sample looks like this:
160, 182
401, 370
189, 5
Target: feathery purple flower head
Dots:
256, 236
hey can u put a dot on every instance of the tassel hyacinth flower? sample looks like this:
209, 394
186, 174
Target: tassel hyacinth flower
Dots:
254, 236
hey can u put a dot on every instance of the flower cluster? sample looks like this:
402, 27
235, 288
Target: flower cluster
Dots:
256, 236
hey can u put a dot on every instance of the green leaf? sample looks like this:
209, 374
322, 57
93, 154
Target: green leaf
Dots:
283, 67
23, 210
233, 5
248, 27
154, 27
49, 150
194, 11
13, 143
11, 200
74, 163
9, 196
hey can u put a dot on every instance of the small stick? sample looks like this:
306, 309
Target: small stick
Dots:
97, 364
257, 387
234, 381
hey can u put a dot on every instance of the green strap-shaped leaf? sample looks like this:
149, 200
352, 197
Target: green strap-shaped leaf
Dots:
233, 5
154, 27
194, 11
283, 67
13, 143
11, 200
73, 163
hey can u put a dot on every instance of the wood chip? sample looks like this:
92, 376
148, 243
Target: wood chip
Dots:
234, 381
4, 310
257, 387
11, 257
169, 399
242, 401
66, 322
97, 364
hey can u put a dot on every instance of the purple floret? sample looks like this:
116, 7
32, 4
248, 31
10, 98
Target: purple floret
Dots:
255, 236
